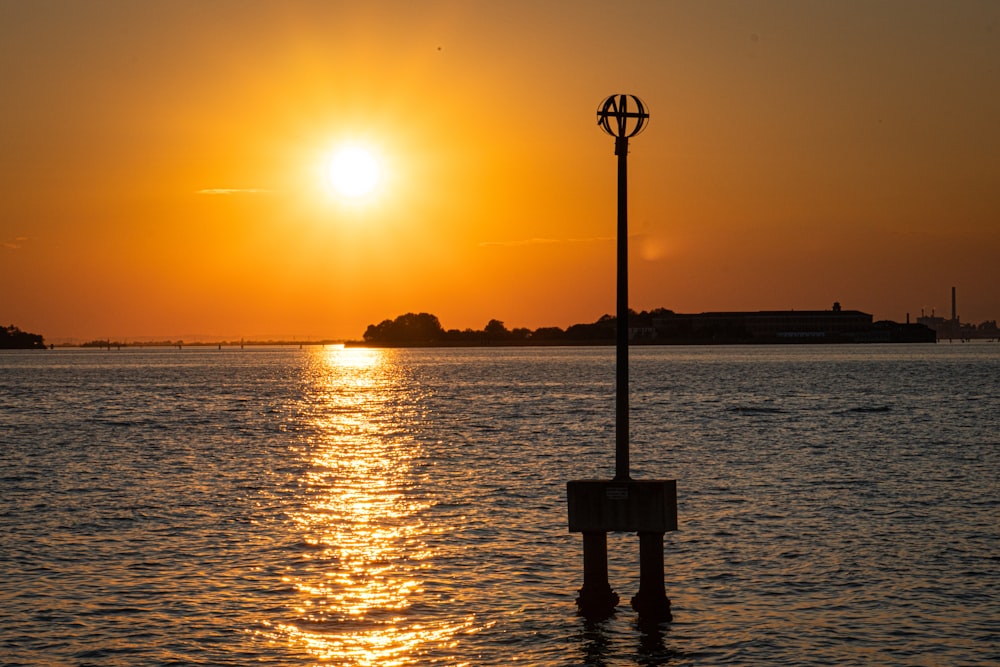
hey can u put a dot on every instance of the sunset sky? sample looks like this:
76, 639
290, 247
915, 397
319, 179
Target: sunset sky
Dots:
162, 169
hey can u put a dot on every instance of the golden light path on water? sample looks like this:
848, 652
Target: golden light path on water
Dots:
362, 533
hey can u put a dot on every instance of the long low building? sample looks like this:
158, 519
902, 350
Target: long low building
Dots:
783, 326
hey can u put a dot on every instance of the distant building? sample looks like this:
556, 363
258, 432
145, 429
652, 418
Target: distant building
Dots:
785, 326
954, 329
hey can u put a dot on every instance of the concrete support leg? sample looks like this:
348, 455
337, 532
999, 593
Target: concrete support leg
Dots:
596, 599
651, 601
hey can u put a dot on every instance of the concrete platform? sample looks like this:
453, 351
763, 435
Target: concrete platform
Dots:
622, 506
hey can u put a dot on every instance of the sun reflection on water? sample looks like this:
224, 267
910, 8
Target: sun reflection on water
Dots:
363, 551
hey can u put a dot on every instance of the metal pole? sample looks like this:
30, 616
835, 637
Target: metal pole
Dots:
616, 119
621, 349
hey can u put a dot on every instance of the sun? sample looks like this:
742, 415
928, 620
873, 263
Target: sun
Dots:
353, 171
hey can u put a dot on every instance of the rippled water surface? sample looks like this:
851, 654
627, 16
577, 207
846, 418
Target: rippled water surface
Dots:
326, 506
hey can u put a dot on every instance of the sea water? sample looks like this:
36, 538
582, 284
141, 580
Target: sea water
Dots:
330, 506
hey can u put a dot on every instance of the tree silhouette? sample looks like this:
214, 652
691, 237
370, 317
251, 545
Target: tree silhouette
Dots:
601, 330
408, 329
496, 331
12, 338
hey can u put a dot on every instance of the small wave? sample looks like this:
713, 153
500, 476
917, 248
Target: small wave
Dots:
756, 410
865, 409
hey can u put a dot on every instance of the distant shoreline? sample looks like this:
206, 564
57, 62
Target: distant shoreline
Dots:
356, 344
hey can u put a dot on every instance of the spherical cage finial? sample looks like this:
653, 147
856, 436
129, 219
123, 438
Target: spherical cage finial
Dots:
622, 116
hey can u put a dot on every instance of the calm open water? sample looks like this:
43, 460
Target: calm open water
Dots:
323, 506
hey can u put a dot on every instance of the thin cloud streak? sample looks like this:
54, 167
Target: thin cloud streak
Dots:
543, 241
15, 244
233, 191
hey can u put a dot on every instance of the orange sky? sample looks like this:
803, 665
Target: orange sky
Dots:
161, 170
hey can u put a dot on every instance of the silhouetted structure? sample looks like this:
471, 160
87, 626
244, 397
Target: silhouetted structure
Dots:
597, 507
784, 326
955, 329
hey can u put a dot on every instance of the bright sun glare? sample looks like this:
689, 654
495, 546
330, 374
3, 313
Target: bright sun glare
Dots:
353, 171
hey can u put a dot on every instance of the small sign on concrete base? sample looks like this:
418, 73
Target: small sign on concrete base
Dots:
622, 506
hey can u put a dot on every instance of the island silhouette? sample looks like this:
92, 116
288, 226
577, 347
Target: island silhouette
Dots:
660, 327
